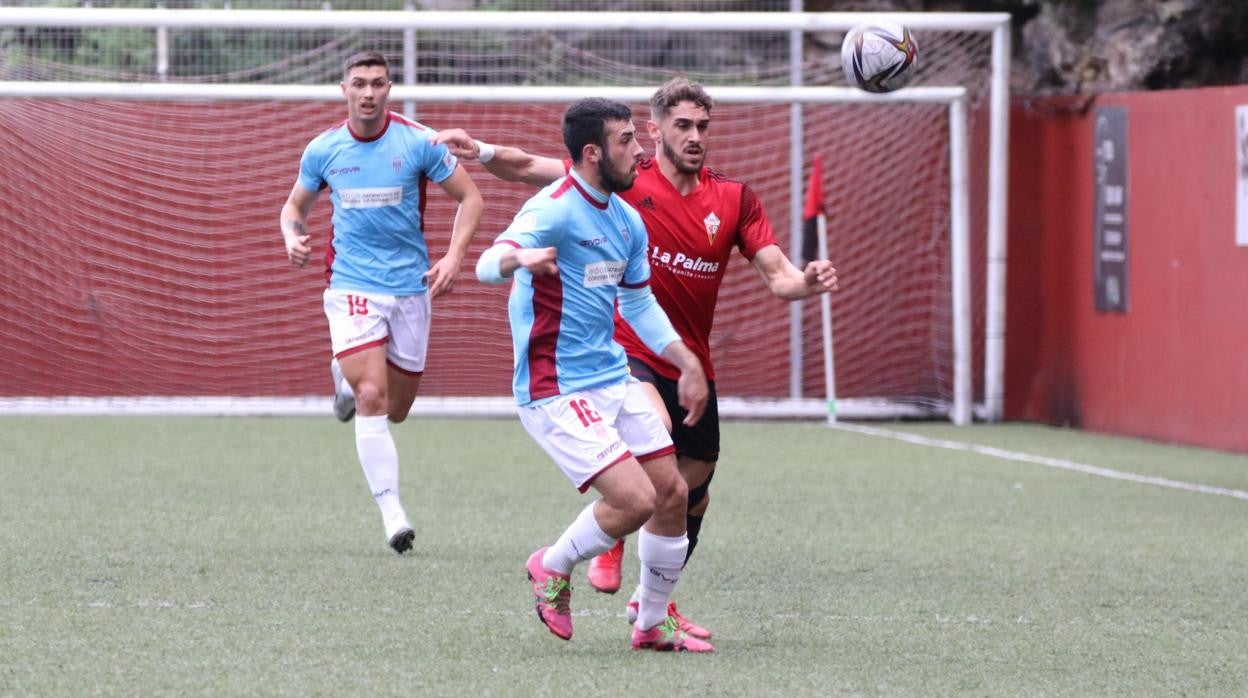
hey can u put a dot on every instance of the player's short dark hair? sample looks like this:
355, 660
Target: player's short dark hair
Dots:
364, 58
585, 122
674, 92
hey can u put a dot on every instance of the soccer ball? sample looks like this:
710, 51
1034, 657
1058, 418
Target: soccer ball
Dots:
879, 56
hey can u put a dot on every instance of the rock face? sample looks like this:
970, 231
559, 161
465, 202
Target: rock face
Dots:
1088, 46
1131, 45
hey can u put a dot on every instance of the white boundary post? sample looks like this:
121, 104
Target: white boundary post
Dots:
998, 200
960, 266
825, 315
796, 153
409, 61
162, 49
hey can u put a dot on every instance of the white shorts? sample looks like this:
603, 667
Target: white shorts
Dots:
589, 431
359, 320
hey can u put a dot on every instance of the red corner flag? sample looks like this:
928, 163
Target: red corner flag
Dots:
812, 211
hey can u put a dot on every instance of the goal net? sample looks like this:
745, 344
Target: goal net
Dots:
146, 155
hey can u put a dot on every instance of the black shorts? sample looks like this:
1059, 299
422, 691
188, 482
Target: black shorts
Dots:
700, 441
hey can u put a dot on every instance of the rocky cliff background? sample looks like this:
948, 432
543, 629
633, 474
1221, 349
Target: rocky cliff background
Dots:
1090, 46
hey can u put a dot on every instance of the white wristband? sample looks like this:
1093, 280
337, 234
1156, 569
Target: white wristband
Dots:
485, 152
490, 265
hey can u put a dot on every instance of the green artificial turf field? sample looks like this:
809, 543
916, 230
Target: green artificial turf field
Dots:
228, 556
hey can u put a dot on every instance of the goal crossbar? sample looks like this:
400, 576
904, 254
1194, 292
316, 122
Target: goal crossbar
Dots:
494, 21
456, 93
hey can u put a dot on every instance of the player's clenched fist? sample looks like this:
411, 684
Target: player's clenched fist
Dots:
538, 261
820, 276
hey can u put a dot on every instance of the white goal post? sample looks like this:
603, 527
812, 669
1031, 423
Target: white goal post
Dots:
962, 408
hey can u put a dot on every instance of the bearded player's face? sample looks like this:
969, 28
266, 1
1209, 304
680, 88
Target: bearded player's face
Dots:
682, 136
618, 167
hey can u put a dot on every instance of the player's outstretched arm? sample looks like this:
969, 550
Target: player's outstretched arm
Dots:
294, 224
442, 275
787, 281
500, 262
506, 163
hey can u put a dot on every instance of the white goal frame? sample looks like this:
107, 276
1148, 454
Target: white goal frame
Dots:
961, 409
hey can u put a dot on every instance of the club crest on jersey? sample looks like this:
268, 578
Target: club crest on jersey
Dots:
397, 164
523, 222
712, 226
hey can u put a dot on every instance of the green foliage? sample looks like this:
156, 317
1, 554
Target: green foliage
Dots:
121, 53
240, 56
128, 50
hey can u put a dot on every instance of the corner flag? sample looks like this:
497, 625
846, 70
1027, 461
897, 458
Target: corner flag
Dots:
810, 213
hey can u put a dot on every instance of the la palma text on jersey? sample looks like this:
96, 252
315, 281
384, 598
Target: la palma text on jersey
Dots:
679, 262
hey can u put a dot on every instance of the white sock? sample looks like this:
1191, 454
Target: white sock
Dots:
662, 558
583, 540
380, 461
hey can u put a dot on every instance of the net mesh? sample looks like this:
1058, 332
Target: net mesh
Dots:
143, 255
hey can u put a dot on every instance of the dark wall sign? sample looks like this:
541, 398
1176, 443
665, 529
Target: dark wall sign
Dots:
1110, 227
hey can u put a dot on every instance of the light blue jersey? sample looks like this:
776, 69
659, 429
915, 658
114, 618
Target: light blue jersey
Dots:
562, 324
378, 190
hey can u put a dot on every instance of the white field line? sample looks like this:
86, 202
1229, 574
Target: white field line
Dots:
1044, 460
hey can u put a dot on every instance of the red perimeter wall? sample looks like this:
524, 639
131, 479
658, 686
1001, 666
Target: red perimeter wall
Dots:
1173, 368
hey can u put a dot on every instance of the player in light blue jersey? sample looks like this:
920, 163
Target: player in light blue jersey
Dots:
576, 250
376, 164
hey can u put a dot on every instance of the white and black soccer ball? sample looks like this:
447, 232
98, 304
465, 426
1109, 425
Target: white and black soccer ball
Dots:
879, 56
